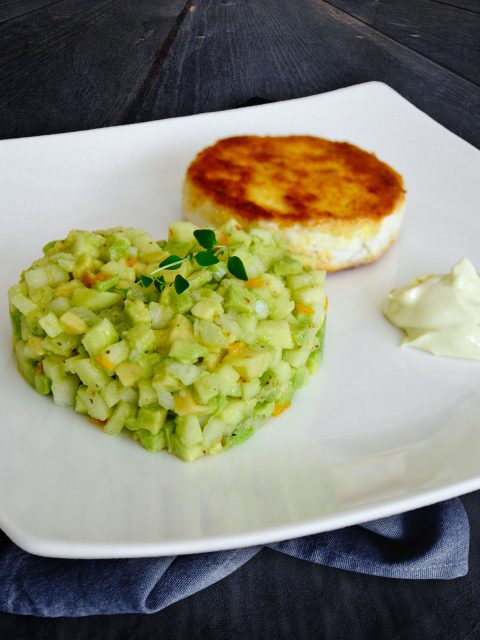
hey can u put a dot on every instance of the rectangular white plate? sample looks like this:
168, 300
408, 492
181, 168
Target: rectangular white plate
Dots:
378, 430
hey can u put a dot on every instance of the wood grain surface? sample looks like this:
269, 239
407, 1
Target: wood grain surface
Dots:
72, 65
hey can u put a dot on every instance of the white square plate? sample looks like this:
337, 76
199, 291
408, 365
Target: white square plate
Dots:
378, 430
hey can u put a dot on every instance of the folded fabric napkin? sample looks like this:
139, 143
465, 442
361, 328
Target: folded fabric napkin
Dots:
427, 543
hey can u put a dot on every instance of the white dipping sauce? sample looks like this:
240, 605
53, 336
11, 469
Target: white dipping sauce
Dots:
440, 314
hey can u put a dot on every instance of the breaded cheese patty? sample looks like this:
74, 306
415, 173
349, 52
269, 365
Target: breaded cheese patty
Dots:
333, 202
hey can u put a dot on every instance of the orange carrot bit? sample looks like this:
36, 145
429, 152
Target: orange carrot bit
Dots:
254, 283
38, 367
305, 308
100, 277
104, 362
280, 408
235, 346
131, 262
97, 422
88, 279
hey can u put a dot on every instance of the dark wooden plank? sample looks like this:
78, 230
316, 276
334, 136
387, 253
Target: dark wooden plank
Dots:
10, 9
75, 65
471, 5
226, 52
445, 34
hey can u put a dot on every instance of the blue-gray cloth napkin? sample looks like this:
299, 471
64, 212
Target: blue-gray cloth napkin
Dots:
427, 543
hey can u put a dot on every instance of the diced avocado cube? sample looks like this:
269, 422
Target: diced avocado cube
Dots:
151, 418
151, 442
184, 404
42, 384
250, 362
73, 323
128, 373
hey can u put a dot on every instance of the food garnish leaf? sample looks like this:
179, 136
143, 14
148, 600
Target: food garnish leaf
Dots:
172, 262
206, 258
160, 283
206, 238
237, 268
145, 281
180, 284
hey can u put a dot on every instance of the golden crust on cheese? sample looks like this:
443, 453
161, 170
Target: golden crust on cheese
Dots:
332, 200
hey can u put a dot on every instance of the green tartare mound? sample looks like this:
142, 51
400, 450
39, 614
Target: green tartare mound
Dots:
186, 345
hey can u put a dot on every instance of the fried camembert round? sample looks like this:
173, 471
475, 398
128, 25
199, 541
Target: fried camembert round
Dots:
334, 203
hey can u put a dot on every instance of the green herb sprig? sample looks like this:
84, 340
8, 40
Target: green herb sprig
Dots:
211, 249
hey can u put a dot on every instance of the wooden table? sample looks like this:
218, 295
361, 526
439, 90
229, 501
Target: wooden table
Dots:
69, 65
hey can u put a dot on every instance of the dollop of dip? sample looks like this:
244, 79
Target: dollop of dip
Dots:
440, 313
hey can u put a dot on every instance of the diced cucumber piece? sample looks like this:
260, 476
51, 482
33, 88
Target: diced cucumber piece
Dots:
187, 351
213, 431
141, 339
188, 430
94, 300
310, 296
51, 325
160, 315
106, 285
185, 372
275, 333
94, 404
113, 354
23, 304
64, 390
146, 393
90, 373
100, 336
62, 345
137, 311
53, 367
111, 393
209, 334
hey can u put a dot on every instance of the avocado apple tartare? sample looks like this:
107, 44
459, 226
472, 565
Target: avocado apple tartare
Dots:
186, 344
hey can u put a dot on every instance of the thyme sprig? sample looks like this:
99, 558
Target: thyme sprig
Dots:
211, 249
